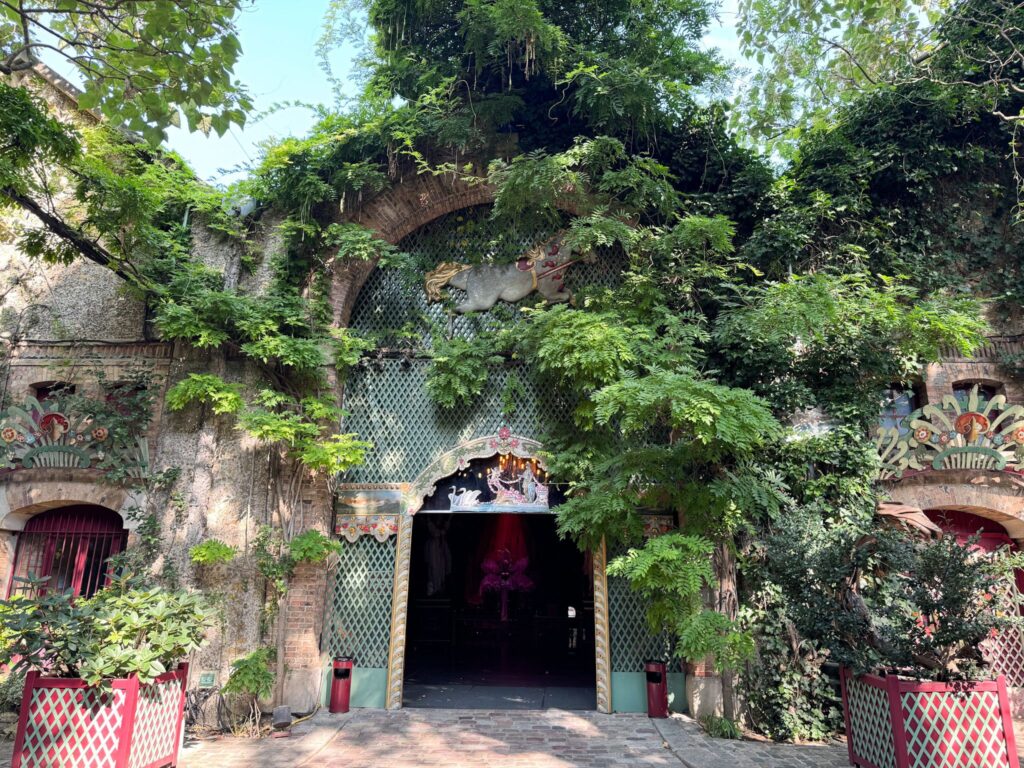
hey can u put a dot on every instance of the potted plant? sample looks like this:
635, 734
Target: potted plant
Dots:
907, 616
104, 686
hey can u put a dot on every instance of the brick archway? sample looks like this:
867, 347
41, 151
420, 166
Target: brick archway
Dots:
411, 203
399, 211
996, 496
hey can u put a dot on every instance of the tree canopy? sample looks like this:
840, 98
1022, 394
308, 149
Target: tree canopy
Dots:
141, 64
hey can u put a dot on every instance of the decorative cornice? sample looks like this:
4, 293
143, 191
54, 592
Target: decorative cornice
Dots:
351, 527
51, 351
983, 436
46, 435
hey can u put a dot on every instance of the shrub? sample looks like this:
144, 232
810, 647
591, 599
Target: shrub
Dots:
720, 727
122, 630
880, 600
252, 679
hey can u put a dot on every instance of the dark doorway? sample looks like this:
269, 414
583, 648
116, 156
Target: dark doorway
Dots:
501, 614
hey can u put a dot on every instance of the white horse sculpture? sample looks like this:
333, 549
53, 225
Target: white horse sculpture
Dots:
542, 269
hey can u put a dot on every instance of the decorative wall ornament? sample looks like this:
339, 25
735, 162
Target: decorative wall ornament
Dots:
656, 525
542, 269
47, 435
953, 435
399, 614
503, 444
602, 632
513, 486
351, 527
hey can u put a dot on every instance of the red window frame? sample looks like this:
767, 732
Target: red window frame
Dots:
70, 545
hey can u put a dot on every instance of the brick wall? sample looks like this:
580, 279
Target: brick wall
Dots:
984, 367
304, 606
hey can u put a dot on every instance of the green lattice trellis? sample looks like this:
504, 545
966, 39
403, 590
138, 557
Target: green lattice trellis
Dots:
395, 299
631, 639
361, 597
389, 406
387, 399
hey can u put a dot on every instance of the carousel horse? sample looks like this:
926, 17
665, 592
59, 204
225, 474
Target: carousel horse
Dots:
542, 269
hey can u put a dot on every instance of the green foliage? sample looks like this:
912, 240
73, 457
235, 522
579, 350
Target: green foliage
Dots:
251, 675
277, 558
122, 630
12, 686
787, 695
812, 56
671, 572
205, 388
211, 552
580, 350
716, 420
37, 136
879, 600
311, 547
720, 727
837, 341
270, 554
142, 65
459, 369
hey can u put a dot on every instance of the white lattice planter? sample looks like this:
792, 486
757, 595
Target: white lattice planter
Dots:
894, 723
66, 723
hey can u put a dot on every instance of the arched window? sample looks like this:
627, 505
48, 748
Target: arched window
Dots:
987, 389
71, 546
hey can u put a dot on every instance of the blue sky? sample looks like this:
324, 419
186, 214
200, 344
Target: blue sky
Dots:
279, 64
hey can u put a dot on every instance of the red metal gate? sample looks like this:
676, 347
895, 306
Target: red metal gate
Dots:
71, 546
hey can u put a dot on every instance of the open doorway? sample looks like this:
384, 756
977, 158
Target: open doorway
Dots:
501, 614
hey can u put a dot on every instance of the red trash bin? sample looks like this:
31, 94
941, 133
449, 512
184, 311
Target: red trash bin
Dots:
657, 688
341, 685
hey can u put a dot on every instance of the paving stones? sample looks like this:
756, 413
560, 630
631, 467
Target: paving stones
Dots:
432, 738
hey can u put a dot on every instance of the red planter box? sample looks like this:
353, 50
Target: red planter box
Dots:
893, 723
67, 724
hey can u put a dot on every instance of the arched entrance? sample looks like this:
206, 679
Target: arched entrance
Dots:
69, 547
492, 609
501, 610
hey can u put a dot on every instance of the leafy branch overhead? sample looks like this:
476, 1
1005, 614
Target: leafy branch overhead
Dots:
142, 65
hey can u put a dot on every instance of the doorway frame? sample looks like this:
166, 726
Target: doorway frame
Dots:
504, 443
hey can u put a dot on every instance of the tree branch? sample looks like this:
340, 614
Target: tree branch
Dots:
87, 247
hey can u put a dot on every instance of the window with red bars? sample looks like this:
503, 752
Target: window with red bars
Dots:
70, 547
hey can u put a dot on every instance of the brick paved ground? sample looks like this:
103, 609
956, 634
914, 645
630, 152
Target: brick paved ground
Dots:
431, 738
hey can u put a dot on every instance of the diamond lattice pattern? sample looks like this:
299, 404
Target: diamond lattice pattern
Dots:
361, 597
72, 727
389, 406
388, 400
871, 726
1004, 653
954, 730
156, 723
631, 639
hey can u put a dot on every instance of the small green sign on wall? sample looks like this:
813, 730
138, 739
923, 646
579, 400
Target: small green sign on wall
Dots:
207, 679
